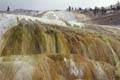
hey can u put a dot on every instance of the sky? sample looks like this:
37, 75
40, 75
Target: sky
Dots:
53, 4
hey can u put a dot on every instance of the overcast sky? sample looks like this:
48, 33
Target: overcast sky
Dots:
53, 4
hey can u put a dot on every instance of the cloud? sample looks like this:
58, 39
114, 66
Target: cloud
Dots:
53, 4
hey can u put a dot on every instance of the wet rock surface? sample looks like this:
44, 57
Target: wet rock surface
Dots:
33, 50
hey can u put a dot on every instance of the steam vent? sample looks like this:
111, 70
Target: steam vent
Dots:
33, 48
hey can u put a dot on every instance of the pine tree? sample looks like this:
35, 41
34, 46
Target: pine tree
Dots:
8, 9
69, 8
103, 10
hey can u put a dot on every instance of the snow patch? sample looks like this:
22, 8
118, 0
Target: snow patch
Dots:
76, 24
9, 20
64, 15
50, 15
74, 69
59, 15
23, 70
99, 70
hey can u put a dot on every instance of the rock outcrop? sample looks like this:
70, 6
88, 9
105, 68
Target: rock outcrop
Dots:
32, 50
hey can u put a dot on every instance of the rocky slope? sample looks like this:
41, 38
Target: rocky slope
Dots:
43, 49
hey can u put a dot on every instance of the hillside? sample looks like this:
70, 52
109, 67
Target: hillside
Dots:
112, 19
51, 48
108, 19
72, 16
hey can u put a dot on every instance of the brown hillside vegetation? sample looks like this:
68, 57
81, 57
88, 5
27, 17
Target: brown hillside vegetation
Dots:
36, 51
107, 19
